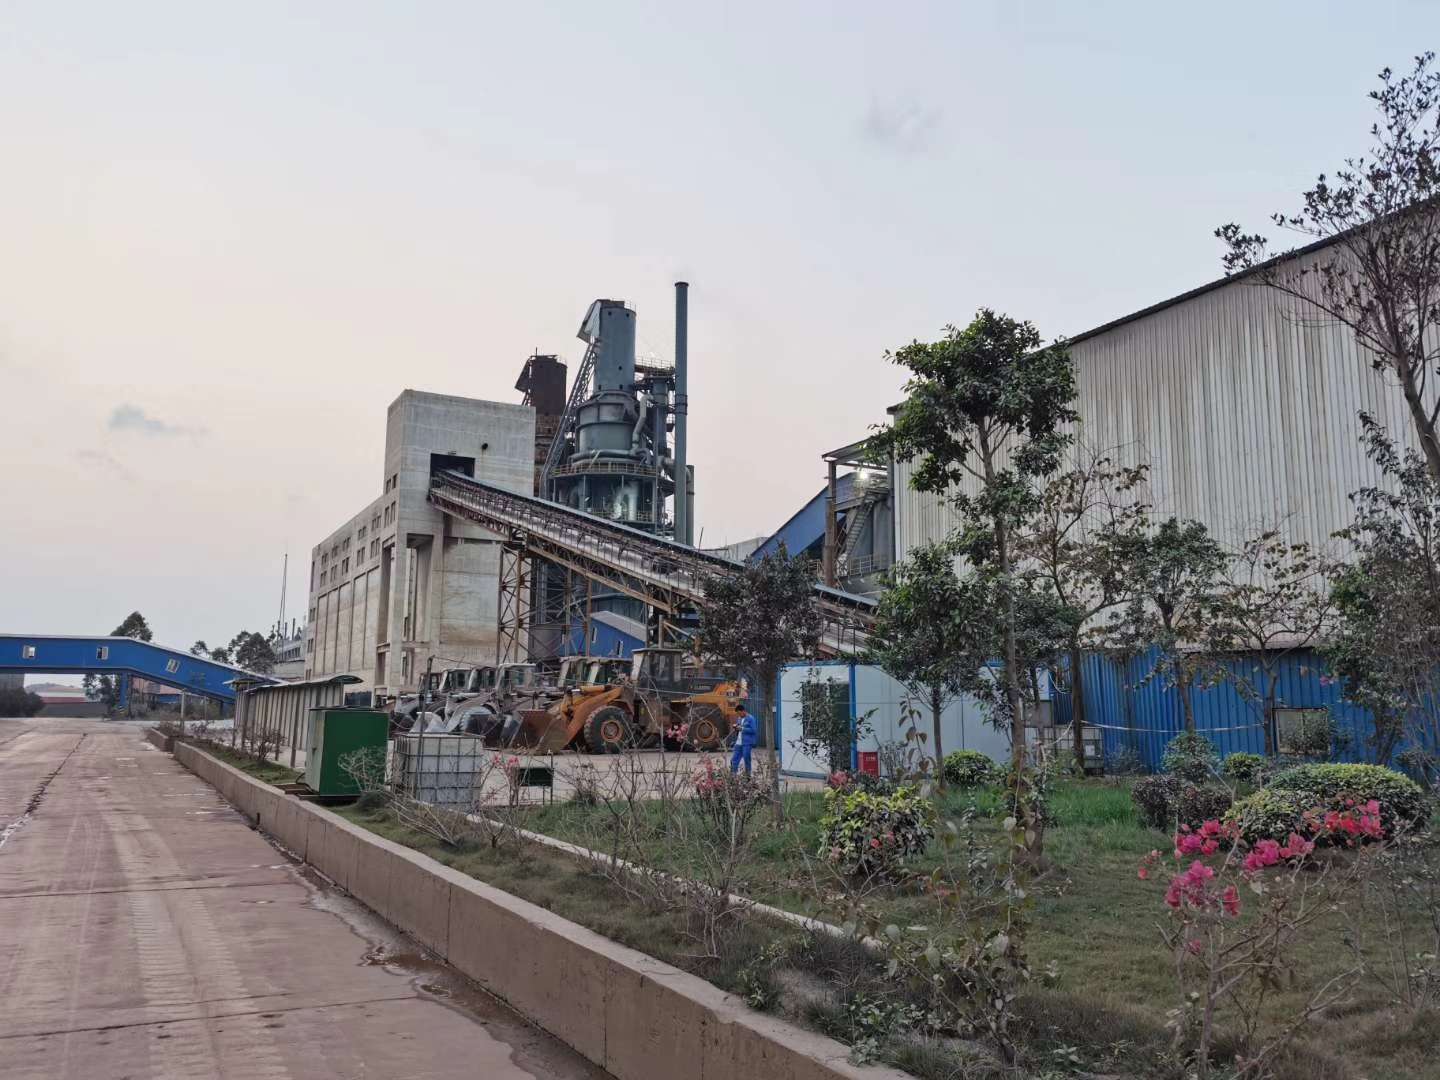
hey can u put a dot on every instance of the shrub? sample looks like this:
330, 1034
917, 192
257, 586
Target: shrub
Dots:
1269, 814
865, 833
841, 780
1189, 756
969, 768
1165, 801
1154, 798
1244, 768
1199, 803
1328, 786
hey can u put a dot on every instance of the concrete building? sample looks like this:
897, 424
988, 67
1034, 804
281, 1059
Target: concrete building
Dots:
401, 582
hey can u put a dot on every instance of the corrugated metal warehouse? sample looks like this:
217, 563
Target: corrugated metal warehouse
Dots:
1244, 404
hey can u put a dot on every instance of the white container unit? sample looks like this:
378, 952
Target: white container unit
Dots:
868, 690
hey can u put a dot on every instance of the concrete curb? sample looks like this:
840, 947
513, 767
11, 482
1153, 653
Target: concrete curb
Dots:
633, 1015
160, 740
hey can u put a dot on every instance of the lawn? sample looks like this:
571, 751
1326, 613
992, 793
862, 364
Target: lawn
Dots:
1093, 918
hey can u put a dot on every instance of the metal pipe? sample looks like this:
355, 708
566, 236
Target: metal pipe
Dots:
684, 530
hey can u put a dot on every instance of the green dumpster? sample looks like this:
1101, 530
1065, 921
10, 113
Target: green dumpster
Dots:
333, 733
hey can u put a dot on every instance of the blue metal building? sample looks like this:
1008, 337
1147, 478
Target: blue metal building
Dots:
1145, 716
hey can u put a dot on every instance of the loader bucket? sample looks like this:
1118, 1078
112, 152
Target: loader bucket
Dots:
545, 732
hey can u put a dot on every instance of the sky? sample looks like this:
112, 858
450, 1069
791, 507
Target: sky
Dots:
230, 235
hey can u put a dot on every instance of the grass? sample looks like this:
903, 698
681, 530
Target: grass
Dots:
268, 771
1093, 918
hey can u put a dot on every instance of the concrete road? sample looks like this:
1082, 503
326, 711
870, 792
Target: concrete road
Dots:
147, 931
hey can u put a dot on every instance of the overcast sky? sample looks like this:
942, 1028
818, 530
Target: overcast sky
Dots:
231, 234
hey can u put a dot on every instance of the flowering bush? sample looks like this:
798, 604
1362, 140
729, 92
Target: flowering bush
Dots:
1223, 963
1337, 787
865, 833
969, 768
1243, 768
841, 780
1190, 757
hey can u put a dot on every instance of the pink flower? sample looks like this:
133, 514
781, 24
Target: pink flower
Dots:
1195, 946
1230, 900
1143, 872
875, 842
1187, 844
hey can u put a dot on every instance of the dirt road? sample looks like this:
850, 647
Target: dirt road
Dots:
147, 931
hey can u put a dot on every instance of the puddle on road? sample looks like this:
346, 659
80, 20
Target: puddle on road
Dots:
532, 1049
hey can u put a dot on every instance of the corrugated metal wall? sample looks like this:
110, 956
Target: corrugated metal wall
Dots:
1244, 407
1145, 718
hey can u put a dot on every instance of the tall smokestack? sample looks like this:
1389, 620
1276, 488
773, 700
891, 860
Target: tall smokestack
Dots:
684, 527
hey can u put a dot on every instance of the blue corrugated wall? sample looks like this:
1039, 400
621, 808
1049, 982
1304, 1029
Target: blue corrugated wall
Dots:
1147, 717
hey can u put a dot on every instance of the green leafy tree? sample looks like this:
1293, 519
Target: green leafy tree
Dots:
924, 634
200, 649
985, 418
1386, 643
1274, 600
1084, 542
1380, 275
1176, 610
106, 688
19, 702
133, 626
756, 621
251, 651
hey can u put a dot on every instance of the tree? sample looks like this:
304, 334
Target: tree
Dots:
1274, 600
984, 418
200, 649
133, 626
1386, 644
106, 688
758, 619
1176, 609
250, 651
1380, 276
924, 633
1085, 540
16, 701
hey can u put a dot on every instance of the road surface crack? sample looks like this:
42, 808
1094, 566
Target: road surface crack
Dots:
36, 799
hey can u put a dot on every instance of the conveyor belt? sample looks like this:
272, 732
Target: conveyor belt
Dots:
661, 572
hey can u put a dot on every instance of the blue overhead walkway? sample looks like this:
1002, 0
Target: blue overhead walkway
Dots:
123, 656
804, 533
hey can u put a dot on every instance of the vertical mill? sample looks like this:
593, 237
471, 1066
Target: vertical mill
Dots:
614, 455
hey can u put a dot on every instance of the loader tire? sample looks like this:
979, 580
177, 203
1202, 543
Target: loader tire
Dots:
609, 731
708, 727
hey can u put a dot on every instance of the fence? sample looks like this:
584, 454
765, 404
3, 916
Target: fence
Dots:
277, 713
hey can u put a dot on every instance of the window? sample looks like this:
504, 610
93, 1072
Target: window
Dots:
27, 652
1305, 732
825, 723
345, 567
360, 536
172, 666
102, 653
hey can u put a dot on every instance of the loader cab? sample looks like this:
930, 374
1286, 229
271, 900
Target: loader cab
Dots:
660, 668
518, 677
453, 680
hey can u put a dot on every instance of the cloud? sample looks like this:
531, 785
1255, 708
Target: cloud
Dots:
906, 127
134, 418
104, 462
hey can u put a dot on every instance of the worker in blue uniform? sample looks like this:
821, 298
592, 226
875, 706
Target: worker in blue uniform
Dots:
747, 734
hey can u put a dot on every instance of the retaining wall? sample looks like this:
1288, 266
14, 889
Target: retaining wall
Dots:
633, 1015
160, 740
